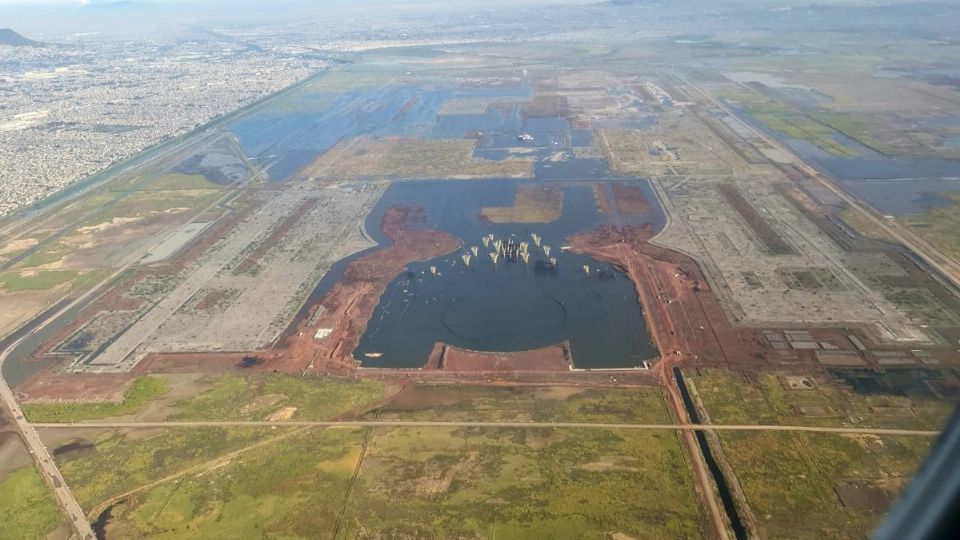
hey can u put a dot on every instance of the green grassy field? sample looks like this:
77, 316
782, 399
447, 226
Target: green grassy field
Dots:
142, 204
940, 226
820, 128
74, 211
855, 126
286, 397
398, 157
291, 489
140, 392
95, 228
27, 508
528, 403
230, 397
39, 280
729, 398
805, 485
799, 126
115, 462
44, 280
431, 483
45, 254
863, 225
173, 181
524, 484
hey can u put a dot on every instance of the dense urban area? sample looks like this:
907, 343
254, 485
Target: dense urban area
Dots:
123, 97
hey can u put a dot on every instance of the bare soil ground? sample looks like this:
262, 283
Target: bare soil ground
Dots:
630, 199
532, 203
53, 386
399, 157
275, 237
456, 360
771, 239
546, 106
117, 298
348, 305
19, 307
604, 205
683, 317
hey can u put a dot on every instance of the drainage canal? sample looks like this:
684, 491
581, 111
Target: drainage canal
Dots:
728, 505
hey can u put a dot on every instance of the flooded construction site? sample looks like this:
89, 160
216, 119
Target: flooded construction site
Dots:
511, 286
414, 222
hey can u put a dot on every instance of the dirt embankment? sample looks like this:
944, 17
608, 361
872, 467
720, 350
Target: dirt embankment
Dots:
683, 316
601, 198
54, 386
769, 237
347, 307
464, 361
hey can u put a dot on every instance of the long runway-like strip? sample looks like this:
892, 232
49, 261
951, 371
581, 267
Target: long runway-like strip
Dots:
516, 425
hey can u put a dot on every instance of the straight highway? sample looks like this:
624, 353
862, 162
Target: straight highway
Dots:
482, 424
45, 464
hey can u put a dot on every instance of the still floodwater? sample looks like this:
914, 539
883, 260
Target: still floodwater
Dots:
895, 186
285, 135
507, 306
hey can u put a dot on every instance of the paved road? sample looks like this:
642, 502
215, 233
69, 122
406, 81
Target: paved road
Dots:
29, 435
45, 463
467, 423
34, 444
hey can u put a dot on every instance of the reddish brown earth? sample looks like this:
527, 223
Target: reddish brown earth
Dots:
211, 299
684, 320
457, 360
114, 299
7, 425
630, 199
50, 383
398, 116
52, 386
683, 317
347, 307
604, 205
219, 230
771, 239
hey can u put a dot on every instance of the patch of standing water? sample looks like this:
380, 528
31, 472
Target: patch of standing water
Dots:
508, 304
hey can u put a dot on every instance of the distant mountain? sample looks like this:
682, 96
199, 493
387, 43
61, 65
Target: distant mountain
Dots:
9, 37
